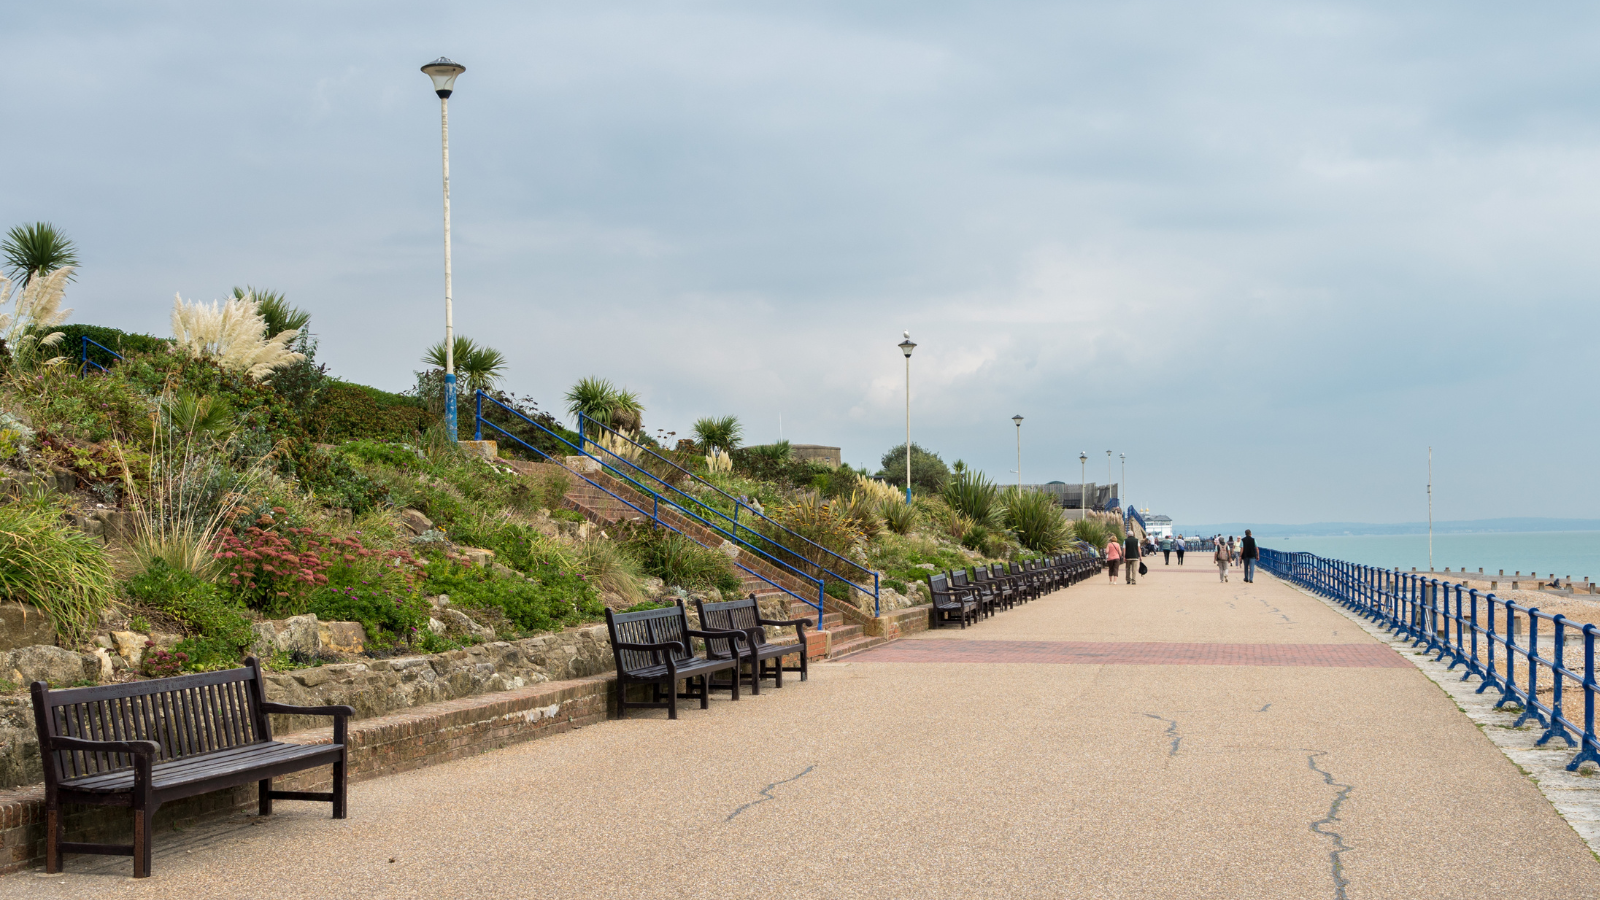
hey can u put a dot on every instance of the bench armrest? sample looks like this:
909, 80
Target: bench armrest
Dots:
740, 637
651, 648
341, 716
137, 749
285, 709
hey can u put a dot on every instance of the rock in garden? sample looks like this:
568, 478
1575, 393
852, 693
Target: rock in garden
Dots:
415, 522
130, 646
342, 637
266, 639
22, 625
44, 662
298, 633
729, 549
478, 557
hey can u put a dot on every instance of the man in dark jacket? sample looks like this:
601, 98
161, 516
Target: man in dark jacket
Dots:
1248, 553
1130, 557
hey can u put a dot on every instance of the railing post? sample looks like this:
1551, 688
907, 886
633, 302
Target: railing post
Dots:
1589, 751
1529, 711
876, 611
1491, 675
1473, 666
1557, 663
477, 415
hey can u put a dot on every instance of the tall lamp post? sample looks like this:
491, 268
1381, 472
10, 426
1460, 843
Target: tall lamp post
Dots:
1122, 486
443, 71
906, 346
1018, 419
1108, 473
1083, 486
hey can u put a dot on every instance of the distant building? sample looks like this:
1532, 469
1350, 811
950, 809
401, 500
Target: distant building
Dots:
829, 456
1070, 496
1158, 526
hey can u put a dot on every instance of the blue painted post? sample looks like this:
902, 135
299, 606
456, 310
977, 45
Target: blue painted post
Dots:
1529, 711
1473, 666
820, 603
1490, 675
875, 591
1558, 662
583, 430
1590, 749
477, 416
450, 405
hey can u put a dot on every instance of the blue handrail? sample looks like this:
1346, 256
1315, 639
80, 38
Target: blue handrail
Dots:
1443, 619
83, 369
734, 523
655, 512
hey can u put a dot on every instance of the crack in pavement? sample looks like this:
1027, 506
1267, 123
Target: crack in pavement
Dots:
1265, 708
1172, 729
1339, 881
765, 796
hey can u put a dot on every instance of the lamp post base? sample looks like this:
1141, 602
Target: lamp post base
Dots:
450, 405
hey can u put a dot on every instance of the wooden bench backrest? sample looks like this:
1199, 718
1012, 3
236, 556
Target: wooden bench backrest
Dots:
731, 615
958, 578
185, 716
981, 574
650, 626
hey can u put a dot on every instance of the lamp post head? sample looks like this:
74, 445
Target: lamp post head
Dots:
443, 71
1018, 420
906, 346
1083, 457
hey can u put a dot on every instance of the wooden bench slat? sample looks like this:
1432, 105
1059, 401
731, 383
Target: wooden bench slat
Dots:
196, 768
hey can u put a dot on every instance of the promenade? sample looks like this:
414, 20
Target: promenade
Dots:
1179, 738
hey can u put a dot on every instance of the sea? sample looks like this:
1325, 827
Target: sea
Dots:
1563, 553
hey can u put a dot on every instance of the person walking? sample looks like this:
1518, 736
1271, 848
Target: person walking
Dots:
1222, 556
1179, 546
1130, 558
1113, 558
1166, 550
1250, 553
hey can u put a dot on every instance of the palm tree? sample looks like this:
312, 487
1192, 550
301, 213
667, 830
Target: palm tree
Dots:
478, 366
279, 315
34, 250
598, 400
723, 433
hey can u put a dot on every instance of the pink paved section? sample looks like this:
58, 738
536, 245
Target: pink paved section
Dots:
1138, 653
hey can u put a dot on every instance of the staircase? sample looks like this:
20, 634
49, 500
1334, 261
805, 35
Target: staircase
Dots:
841, 639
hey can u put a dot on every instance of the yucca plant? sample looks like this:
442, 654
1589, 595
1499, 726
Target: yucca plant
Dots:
34, 250
722, 433
1036, 520
598, 400
53, 566
478, 367
976, 497
898, 516
278, 314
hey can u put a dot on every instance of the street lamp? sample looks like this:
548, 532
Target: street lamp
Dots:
1083, 485
443, 71
1018, 419
906, 346
1122, 486
1108, 473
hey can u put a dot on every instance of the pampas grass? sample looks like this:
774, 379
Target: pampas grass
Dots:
232, 334
53, 566
38, 310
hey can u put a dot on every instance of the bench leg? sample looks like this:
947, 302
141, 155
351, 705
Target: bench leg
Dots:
736, 678
339, 785
778, 675
143, 825
622, 707
264, 797
52, 841
802, 666
705, 690
672, 699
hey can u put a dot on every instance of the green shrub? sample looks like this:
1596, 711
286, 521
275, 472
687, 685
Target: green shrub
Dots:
681, 562
331, 479
388, 612
977, 498
123, 342
53, 566
928, 471
90, 410
219, 631
556, 598
348, 411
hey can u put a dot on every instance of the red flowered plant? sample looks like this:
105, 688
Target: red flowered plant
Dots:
158, 663
275, 571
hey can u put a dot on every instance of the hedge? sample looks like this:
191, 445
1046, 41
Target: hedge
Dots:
351, 412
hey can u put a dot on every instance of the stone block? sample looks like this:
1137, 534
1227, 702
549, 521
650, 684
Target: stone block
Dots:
298, 634
483, 449
477, 556
342, 637
587, 465
130, 646
415, 521
22, 625
59, 666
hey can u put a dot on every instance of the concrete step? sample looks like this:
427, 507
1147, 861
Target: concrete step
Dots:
846, 633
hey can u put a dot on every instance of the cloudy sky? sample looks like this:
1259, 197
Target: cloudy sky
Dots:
1269, 250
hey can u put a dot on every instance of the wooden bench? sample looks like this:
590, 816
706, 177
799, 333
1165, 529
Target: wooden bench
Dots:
951, 603
994, 593
652, 647
745, 616
145, 743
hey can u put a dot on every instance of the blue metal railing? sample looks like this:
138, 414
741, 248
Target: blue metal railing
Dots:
83, 368
832, 562
654, 513
1444, 619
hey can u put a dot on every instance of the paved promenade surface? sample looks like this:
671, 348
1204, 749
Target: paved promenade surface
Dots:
1009, 760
